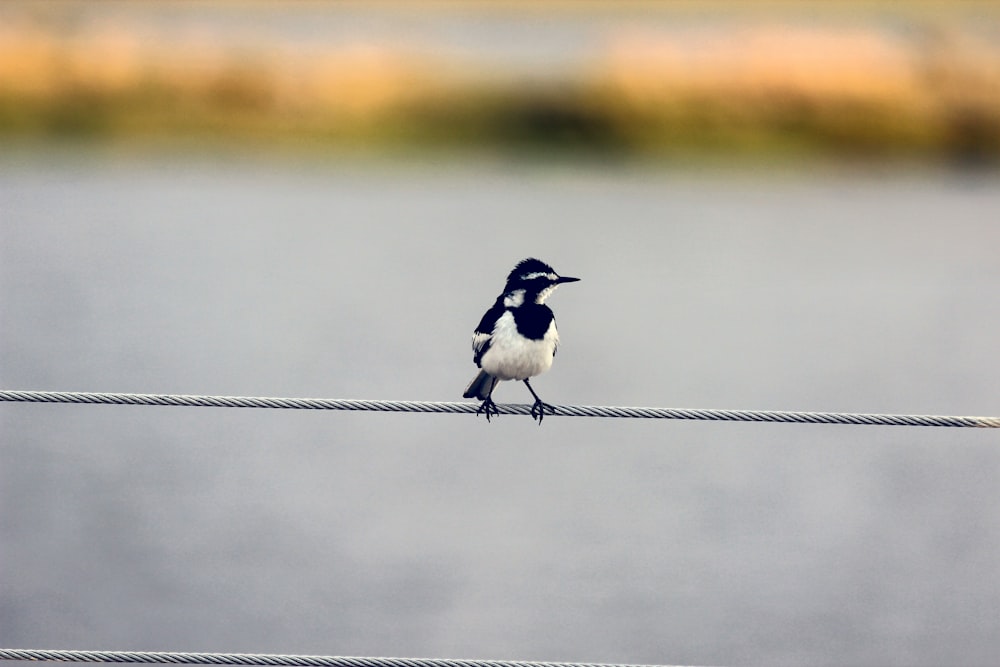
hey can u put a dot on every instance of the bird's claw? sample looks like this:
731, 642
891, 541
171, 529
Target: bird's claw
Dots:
488, 407
539, 408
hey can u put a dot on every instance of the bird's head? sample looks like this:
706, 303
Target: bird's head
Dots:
532, 280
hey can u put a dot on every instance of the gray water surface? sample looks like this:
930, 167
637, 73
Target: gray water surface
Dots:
193, 529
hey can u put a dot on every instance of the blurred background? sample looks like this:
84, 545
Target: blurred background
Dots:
771, 205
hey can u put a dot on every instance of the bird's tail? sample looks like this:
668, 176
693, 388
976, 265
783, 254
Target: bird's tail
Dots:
481, 386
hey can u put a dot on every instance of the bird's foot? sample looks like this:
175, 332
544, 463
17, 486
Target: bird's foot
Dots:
539, 408
488, 407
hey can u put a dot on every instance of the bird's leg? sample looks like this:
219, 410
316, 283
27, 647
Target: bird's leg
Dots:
538, 409
488, 406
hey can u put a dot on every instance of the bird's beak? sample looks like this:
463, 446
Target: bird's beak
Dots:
565, 279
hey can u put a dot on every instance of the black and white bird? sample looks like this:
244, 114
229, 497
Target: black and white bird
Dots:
517, 337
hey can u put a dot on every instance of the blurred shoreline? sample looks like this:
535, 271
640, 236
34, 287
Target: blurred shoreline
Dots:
888, 84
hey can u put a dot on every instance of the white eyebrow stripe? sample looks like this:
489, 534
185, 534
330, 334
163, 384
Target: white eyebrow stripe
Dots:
539, 274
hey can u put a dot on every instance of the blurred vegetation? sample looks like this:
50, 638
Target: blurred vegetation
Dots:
931, 91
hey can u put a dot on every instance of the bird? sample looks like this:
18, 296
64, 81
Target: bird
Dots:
517, 338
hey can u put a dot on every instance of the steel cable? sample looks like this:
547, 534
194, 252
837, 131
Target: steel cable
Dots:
512, 409
272, 660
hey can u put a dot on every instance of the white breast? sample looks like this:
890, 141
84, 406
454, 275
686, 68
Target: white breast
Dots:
513, 357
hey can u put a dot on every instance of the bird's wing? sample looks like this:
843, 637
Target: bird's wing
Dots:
555, 345
484, 332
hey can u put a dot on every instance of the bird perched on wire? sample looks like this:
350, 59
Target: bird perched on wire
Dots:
517, 337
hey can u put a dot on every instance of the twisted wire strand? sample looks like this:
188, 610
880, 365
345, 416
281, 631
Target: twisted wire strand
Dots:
511, 409
272, 660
